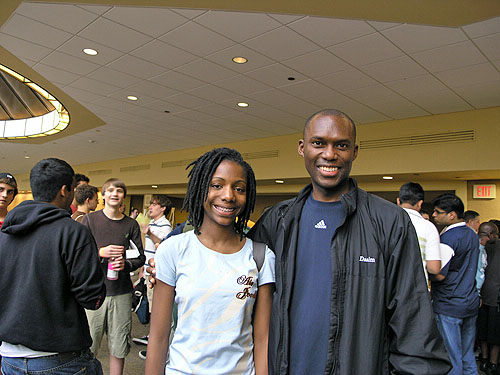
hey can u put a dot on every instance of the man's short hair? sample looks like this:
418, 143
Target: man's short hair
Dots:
163, 201
450, 203
496, 222
81, 177
83, 192
411, 192
470, 215
9, 179
116, 182
331, 112
48, 176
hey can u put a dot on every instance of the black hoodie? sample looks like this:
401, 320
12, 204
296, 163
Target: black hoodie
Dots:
49, 272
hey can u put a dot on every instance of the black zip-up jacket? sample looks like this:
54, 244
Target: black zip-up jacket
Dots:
381, 318
49, 272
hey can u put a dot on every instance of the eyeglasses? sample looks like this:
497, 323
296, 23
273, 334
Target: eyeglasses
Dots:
437, 212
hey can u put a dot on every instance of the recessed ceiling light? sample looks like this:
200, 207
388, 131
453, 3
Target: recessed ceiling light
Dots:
90, 51
26, 157
167, 111
154, 186
132, 97
291, 78
91, 141
239, 60
279, 181
387, 177
242, 104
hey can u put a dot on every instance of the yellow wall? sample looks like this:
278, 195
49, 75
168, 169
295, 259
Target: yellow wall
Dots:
487, 208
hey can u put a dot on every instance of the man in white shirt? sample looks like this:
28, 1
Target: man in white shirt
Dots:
411, 197
156, 231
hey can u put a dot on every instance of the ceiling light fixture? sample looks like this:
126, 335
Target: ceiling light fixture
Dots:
239, 60
242, 104
26, 157
132, 97
90, 51
154, 186
387, 177
279, 181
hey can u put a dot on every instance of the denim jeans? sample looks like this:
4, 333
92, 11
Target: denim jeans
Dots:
458, 335
81, 363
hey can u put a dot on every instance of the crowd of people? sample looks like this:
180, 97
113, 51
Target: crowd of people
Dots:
335, 280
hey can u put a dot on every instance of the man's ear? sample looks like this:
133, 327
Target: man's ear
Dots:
419, 204
301, 147
63, 191
398, 201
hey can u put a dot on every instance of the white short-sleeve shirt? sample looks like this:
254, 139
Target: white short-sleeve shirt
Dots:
215, 294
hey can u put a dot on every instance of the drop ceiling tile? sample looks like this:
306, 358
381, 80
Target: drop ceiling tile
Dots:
275, 98
255, 59
189, 13
114, 77
399, 108
281, 44
81, 96
94, 86
347, 80
496, 63
54, 75
306, 89
394, 69
301, 109
490, 46
285, 18
217, 110
161, 105
275, 75
196, 39
152, 89
186, 100
34, 32
420, 84
97, 9
206, 71
482, 95
469, 75
383, 25
65, 17
450, 57
212, 93
242, 85
22, 48
270, 113
238, 26
483, 28
330, 31
178, 81
163, 54
115, 104
317, 63
69, 63
137, 67
114, 35
415, 38
442, 101
75, 46
197, 116
366, 50
153, 21
372, 94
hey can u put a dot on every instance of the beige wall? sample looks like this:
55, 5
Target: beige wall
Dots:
487, 208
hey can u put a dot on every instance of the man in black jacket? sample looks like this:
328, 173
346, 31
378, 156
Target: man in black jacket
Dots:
351, 296
50, 272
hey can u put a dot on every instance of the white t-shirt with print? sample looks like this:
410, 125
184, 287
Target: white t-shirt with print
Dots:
215, 294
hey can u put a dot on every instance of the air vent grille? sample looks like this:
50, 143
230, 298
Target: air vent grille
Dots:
261, 154
418, 140
176, 163
135, 168
100, 172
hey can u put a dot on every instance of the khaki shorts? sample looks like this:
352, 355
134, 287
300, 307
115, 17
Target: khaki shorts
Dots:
114, 318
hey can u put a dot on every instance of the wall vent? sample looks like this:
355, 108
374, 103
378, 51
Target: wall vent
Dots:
261, 154
177, 163
100, 172
135, 168
418, 140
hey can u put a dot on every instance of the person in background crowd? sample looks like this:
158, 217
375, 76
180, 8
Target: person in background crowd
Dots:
425, 214
80, 179
472, 219
489, 313
50, 272
86, 199
134, 213
8, 191
454, 295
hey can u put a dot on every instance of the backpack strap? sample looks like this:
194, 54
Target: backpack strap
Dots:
259, 253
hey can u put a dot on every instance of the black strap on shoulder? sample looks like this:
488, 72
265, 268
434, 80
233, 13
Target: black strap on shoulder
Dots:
259, 253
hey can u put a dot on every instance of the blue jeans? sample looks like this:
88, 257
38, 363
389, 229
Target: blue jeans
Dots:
458, 335
81, 363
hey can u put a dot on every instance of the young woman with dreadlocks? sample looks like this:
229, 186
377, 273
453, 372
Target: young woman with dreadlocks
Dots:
213, 277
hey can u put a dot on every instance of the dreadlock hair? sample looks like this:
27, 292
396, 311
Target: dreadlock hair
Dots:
199, 181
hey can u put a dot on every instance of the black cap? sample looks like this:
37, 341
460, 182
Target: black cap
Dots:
12, 181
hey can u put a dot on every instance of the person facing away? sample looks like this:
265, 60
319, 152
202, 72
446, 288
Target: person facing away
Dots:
213, 277
8, 191
455, 299
116, 236
86, 199
351, 296
80, 179
52, 265
489, 312
411, 197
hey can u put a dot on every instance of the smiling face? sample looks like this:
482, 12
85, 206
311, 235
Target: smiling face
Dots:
6, 195
328, 149
226, 195
113, 196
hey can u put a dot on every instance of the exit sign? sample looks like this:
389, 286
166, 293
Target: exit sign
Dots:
484, 191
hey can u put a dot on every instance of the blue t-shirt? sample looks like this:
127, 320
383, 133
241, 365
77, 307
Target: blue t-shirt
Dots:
457, 295
311, 295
